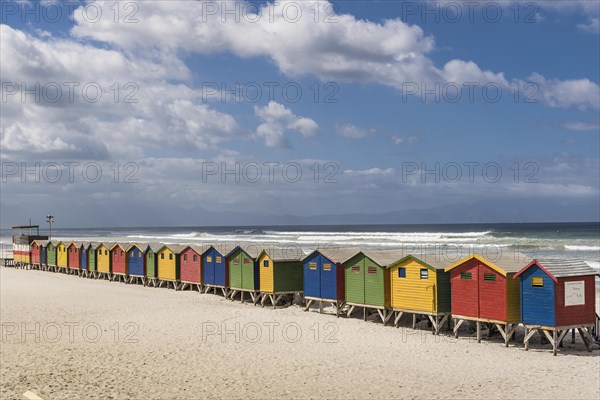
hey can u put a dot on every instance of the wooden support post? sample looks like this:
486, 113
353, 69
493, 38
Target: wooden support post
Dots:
456, 326
364, 313
478, 331
414, 321
397, 319
554, 342
350, 310
320, 306
573, 336
586, 337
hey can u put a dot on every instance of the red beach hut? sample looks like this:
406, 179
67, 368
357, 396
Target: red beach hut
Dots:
118, 261
483, 291
190, 263
73, 259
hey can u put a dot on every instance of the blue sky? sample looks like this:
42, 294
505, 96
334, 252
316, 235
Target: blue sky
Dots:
371, 58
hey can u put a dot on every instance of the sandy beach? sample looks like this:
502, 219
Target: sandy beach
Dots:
70, 337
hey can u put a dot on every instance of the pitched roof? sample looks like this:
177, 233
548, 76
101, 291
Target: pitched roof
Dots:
503, 263
558, 268
337, 255
175, 248
252, 250
435, 261
384, 257
291, 253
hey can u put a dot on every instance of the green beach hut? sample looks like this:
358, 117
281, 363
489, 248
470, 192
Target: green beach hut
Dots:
368, 283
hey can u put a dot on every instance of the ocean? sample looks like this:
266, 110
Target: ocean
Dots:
534, 240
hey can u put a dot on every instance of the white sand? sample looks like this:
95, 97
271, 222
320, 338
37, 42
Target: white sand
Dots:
168, 357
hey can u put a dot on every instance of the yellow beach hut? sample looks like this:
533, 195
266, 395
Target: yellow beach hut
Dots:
420, 286
61, 257
103, 260
168, 265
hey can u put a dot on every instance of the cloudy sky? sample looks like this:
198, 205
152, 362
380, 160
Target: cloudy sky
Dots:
190, 112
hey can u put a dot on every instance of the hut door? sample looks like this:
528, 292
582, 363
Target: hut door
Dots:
312, 278
328, 279
492, 294
82, 261
209, 268
219, 261
43, 255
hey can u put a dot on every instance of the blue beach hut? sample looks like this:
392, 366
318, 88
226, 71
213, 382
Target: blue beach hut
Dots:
215, 274
324, 277
136, 263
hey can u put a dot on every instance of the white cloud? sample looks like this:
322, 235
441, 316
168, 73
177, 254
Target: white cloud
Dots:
582, 126
163, 114
581, 93
353, 131
370, 172
277, 120
391, 53
592, 26
405, 139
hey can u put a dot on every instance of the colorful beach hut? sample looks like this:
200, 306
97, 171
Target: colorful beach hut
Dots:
168, 264
51, 256
484, 291
420, 286
280, 274
136, 263
118, 261
244, 273
215, 274
152, 263
324, 277
92, 251
367, 282
73, 259
61, 257
190, 273
83, 258
103, 263
36, 251
557, 296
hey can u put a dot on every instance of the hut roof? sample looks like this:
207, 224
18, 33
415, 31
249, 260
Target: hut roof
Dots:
504, 263
252, 250
139, 246
198, 248
384, 257
123, 246
108, 245
175, 248
433, 261
337, 255
292, 253
557, 268
40, 242
77, 244
154, 246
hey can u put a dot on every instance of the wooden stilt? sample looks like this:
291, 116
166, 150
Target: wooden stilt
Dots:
397, 319
414, 321
478, 331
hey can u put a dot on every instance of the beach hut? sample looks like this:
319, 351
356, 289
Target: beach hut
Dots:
168, 265
36, 250
136, 263
420, 286
73, 260
92, 256
61, 257
190, 272
324, 277
152, 263
103, 263
244, 273
43, 256
215, 274
367, 282
483, 291
83, 258
51, 256
557, 296
280, 274
118, 261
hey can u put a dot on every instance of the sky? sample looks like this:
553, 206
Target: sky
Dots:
232, 113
